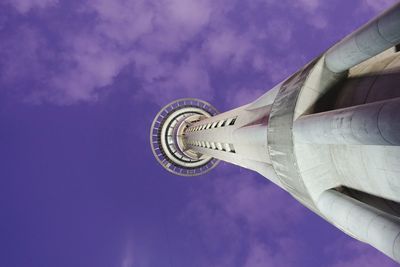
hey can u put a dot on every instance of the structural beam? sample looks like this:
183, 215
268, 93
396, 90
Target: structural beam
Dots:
369, 124
365, 223
375, 37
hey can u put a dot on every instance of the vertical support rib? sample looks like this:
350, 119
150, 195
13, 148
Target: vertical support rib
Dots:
370, 124
365, 223
372, 39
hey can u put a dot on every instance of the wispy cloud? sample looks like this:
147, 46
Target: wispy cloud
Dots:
128, 258
24, 6
172, 47
244, 96
283, 254
352, 253
244, 207
377, 5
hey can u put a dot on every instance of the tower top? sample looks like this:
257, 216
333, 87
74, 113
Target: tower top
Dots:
167, 129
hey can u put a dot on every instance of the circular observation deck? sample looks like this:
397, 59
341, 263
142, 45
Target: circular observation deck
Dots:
167, 137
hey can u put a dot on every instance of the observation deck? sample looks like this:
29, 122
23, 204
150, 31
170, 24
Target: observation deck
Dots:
167, 137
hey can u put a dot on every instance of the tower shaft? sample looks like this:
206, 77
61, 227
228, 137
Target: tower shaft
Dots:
329, 135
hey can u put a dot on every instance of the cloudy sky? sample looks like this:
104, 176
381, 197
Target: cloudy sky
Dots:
80, 82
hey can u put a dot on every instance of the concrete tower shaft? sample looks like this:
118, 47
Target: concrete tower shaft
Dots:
329, 135
238, 136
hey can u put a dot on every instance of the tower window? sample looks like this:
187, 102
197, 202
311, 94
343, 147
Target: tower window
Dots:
226, 147
232, 148
219, 146
232, 122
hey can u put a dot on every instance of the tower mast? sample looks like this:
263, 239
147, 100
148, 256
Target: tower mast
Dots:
329, 135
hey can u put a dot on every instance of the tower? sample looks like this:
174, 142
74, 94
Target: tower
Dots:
329, 135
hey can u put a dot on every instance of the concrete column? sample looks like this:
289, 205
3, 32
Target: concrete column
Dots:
251, 142
377, 123
375, 37
363, 222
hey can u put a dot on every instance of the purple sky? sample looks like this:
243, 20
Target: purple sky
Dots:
80, 82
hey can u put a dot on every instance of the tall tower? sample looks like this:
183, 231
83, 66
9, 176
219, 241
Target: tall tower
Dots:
329, 135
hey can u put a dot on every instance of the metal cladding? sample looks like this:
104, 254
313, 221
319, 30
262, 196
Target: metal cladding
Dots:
280, 136
329, 135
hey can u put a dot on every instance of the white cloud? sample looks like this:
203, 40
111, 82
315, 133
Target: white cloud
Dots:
190, 15
122, 21
309, 5
243, 96
23, 6
279, 30
352, 253
163, 81
378, 5
237, 208
227, 48
283, 254
128, 257
96, 64
174, 46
